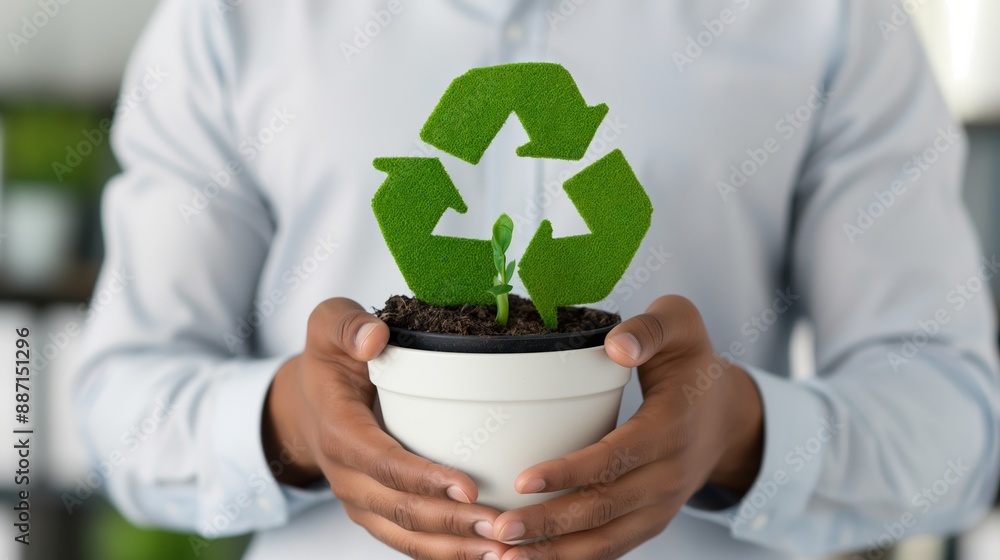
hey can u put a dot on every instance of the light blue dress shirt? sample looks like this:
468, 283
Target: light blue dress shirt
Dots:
801, 163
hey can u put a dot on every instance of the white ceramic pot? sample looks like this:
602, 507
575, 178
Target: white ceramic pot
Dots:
492, 415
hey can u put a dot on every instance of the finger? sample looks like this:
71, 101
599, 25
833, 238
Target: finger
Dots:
613, 540
426, 546
639, 441
592, 506
342, 326
671, 323
354, 439
413, 512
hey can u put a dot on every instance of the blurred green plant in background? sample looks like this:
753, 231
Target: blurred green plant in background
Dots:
56, 159
111, 537
64, 150
58, 145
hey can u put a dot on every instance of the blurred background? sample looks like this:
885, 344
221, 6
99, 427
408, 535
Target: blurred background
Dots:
59, 83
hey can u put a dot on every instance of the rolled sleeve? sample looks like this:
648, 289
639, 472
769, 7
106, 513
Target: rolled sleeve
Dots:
245, 476
796, 427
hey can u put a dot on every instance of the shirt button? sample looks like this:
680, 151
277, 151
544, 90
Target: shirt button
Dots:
515, 33
759, 522
264, 504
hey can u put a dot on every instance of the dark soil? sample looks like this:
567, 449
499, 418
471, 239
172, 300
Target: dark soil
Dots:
523, 320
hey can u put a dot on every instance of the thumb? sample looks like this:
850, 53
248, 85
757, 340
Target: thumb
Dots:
370, 339
342, 326
670, 323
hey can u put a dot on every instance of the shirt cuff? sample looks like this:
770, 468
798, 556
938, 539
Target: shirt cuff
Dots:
246, 481
796, 433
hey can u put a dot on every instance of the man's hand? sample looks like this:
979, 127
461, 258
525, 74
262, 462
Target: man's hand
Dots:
323, 399
636, 479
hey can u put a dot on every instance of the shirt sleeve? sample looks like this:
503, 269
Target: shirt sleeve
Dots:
169, 407
897, 435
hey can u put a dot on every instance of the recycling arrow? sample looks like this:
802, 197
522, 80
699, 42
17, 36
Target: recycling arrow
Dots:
544, 97
556, 272
460, 269
602, 256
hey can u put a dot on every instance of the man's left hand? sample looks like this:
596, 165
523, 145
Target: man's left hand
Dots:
633, 482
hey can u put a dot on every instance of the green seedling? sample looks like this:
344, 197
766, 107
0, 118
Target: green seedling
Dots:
503, 231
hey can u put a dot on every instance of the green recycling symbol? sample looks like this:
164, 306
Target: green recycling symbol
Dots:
556, 272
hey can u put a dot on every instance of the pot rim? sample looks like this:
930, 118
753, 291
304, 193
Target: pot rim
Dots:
478, 344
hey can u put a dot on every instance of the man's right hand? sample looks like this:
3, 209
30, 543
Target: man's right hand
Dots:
323, 398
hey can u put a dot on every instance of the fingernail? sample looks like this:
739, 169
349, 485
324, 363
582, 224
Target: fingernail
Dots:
455, 493
484, 529
532, 486
627, 344
511, 532
363, 333
491, 556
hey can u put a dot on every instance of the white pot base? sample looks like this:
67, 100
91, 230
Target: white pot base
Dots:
494, 415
